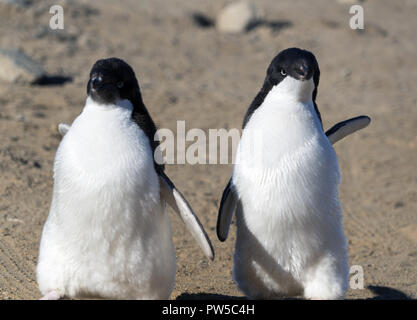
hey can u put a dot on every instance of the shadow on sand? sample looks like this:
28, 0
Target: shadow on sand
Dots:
387, 293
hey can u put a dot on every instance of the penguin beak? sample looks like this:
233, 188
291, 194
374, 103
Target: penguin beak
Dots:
302, 72
100, 82
103, 89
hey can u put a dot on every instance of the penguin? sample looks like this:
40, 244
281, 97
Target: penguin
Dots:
290, 239
108, 234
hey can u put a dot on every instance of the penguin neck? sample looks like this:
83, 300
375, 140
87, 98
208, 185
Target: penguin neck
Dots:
292, 90
104, 117
119, 105
289, 101
286, 120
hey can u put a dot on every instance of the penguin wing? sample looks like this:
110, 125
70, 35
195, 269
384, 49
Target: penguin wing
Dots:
347, 127
226, 210
63, 128
180, 205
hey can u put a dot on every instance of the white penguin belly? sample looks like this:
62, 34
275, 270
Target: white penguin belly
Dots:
289, 222
107, 233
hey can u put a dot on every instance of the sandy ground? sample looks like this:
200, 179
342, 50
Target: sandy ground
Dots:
209, 79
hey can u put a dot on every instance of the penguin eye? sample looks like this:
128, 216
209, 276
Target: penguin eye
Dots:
120, 84
283, 72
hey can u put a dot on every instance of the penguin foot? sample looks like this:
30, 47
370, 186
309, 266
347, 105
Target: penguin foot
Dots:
51, 295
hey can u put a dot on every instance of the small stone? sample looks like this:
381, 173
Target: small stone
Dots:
399, 204
20, 117
17, 67
237, 17
346, 72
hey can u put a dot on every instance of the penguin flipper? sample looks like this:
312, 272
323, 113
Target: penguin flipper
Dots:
347, 127
226, 210
180, 205
63, 128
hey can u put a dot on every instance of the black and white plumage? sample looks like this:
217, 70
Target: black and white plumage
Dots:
108, 233
284, 189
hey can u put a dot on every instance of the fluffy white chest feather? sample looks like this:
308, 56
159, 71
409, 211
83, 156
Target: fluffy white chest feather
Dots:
289, 216
107, 233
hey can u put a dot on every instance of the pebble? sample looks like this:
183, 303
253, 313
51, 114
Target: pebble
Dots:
236, 17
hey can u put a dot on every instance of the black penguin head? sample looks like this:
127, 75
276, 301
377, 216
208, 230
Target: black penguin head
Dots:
296, 63
296, 71
113, 79
293, 72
